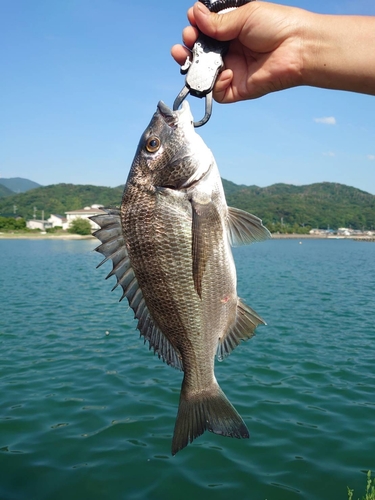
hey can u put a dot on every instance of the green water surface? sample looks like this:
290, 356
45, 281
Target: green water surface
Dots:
87, 412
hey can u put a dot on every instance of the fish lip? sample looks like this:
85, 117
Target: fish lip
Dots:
172, 117
169, 116
164, 109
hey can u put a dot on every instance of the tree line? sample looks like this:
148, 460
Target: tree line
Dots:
282, 207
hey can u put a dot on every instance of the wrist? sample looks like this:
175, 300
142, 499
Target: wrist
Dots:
319, 52
338, 53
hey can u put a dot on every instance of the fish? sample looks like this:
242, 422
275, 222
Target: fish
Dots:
170, 246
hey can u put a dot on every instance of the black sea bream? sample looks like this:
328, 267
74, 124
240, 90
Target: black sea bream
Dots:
170, 244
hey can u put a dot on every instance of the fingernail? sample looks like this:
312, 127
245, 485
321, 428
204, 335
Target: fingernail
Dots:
202, 8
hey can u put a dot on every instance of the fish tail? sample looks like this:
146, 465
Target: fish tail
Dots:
208, 410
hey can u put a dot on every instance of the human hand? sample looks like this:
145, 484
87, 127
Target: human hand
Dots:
265, 53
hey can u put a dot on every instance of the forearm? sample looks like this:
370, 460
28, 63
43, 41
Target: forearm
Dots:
275, 47
338, 52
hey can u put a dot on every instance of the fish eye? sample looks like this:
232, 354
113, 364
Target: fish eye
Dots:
153, 144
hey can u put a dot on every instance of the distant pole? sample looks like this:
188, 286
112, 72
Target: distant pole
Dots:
34, 213
42, 214
14, 209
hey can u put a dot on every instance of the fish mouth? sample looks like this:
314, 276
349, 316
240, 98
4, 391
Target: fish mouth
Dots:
172, 117
182, 117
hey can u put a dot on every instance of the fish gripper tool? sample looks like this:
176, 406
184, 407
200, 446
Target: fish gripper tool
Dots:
206, 62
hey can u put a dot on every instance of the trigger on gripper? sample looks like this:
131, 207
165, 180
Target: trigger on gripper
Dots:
185, 67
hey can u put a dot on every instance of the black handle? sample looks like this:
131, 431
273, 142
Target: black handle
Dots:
219, 5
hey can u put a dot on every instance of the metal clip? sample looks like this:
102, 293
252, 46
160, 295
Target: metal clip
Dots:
201, 73
206, 63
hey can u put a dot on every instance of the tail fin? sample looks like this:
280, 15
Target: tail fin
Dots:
210, 411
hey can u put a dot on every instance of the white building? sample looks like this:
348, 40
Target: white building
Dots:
83, 213
344, 231
57, 220
38, 224
320, 232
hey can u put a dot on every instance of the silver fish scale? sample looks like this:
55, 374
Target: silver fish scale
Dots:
160, 252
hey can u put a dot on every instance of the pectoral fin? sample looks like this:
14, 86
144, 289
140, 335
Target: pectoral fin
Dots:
206, 221
245, 228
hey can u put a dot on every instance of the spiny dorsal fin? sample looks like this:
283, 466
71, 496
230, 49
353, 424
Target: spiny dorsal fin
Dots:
113, 247
245, 228
243, 329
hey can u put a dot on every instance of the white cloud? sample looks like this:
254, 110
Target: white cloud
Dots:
371, 157
329, 153
327, 120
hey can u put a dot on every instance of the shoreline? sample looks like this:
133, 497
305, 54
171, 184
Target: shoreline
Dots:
36, 236
78, 237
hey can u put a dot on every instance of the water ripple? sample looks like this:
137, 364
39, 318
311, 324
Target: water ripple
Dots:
87, 414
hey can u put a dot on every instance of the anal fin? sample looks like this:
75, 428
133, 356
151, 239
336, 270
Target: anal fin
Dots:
243, 329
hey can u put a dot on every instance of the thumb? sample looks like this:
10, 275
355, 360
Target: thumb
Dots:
219, 26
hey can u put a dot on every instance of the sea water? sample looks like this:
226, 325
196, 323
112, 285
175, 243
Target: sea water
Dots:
87, 411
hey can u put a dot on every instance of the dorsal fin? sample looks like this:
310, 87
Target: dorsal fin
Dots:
243, 329
245, 228
113, 247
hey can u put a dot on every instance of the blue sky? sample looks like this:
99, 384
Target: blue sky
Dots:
80, 80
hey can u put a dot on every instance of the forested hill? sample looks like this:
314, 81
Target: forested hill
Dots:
322, 205
319, 205
4, 191
59, 198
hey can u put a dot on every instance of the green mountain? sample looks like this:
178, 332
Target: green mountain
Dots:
322, 205
4, 191
18, 184
59, 198
282, 207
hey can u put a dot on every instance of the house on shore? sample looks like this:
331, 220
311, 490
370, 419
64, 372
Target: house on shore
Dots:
83, 213
54, 220
41, 224
57, 220
321, 232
